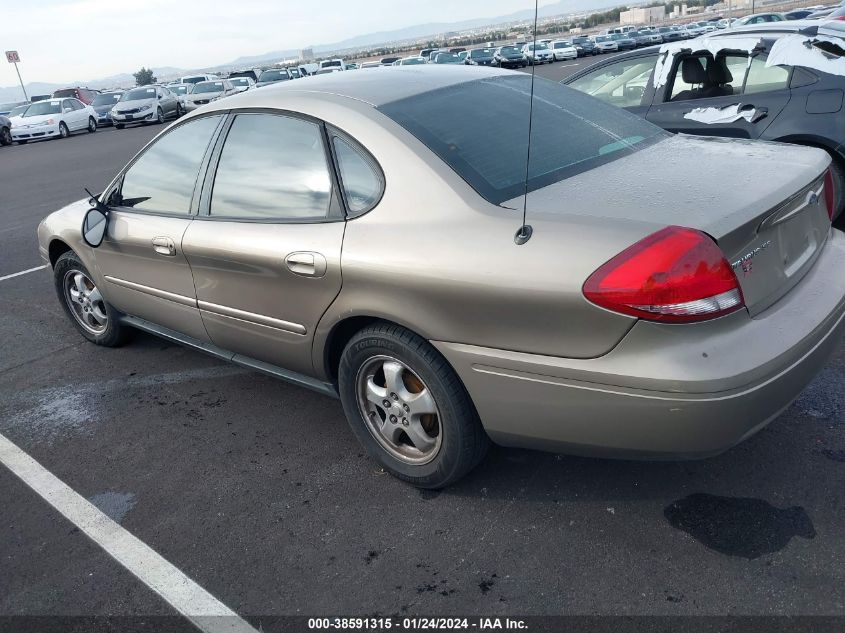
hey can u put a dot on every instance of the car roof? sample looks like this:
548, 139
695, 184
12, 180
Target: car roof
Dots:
376, 89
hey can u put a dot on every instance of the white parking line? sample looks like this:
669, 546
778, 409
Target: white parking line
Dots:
182, 593
23, 272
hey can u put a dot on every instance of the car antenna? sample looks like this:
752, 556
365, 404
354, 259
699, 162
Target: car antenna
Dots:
525, 231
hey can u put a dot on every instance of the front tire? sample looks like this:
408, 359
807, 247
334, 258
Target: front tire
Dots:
408, 407
92, 125
95, 319
159, 116
63, 131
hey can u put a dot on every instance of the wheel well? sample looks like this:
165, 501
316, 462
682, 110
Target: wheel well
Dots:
339, 337
56, 249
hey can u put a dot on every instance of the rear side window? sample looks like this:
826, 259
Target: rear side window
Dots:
763, 79
571, 132
272, 167
162, 180
362, 184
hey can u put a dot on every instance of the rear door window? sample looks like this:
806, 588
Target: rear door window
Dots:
272, 167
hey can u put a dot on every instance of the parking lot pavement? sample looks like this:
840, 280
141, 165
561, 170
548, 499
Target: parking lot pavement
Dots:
258, 491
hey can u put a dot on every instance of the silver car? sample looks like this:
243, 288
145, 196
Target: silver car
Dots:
147, 104
351, 239
208, 91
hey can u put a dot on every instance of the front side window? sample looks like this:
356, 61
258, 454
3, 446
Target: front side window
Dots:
362, 184
272, 167
622, 84
730, 74
162, 180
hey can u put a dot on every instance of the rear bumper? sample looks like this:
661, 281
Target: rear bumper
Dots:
665, 391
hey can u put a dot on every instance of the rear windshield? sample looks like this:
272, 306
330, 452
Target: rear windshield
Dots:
106, 98
273, 75
67, 92
571, 132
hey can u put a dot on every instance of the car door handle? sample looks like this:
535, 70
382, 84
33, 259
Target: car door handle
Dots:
306, 263
164, 246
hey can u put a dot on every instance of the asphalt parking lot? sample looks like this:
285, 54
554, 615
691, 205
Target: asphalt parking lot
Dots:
258, 491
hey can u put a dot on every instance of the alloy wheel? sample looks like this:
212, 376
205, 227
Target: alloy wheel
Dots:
85, 301
399, 410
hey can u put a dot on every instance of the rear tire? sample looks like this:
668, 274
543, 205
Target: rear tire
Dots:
5, 136
95, 319
440, 438
63, 131
159, 116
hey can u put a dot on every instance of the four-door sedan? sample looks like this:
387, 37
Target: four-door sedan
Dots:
147, 104
509, 57
208, 91
103, 103
710, 86
351, 239
53, 118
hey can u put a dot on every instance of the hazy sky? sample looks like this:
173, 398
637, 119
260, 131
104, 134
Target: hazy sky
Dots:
64, 40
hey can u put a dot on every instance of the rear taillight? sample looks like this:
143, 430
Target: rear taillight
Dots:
829, 193
677, 275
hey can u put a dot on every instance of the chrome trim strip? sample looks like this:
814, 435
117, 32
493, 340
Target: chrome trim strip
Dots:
156, 292
251, 317
325, 388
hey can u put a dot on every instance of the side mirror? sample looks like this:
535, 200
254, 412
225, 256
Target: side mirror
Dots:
95, 222
94, 227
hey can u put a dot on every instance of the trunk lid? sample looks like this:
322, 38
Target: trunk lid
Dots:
761, 202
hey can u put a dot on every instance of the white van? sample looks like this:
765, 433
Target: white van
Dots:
195, 79
333, 64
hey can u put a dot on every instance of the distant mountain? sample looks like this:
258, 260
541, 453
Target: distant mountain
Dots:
405, 34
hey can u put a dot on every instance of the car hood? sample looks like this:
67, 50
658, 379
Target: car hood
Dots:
134, 104
100, 109
30, 120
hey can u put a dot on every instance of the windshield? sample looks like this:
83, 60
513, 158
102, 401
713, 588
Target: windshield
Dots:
240, 81
446, 58
481, 52
193, 80
411, 61
178, 90
510, 50
619, 36
602, 38
208, 86
43, 107
139, 93
571, 132
580, 40
19, 110
538, 47
106, 99
273, 75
